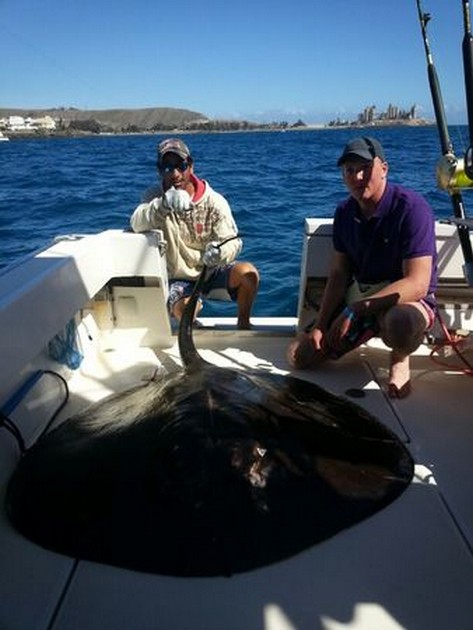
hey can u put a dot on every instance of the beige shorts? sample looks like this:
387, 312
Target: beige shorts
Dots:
357, 291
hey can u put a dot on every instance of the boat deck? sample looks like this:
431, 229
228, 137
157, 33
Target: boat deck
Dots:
409, 566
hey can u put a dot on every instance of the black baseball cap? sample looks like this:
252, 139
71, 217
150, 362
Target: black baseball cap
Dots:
365, 148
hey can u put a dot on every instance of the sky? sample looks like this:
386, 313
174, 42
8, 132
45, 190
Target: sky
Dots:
256, 60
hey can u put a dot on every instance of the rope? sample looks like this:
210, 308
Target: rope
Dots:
63, 347
7, 423
453, 341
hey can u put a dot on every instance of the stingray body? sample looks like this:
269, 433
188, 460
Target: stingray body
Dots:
208, 471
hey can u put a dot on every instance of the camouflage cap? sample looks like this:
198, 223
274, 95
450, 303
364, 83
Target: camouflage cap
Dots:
173, 145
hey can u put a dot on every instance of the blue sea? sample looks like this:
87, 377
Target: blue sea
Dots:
273, 180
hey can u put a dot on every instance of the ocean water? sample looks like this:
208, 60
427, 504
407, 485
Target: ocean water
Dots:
272, 180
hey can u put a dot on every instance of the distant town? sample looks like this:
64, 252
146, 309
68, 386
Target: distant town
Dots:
73, 122
393, 115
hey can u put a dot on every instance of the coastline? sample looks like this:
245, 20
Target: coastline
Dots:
23, 135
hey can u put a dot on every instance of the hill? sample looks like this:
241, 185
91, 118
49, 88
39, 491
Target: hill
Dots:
71, 121
146, 119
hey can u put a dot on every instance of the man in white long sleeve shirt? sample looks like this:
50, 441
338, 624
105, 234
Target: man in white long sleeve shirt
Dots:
195, 220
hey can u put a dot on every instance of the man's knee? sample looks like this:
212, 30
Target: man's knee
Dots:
244, 274
302, 354
178, 307
403, 328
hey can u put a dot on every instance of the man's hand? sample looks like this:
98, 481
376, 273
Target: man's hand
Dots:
176, 200
211, 257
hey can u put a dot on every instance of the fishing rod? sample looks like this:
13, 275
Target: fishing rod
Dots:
467, 49
439, 109
451, 175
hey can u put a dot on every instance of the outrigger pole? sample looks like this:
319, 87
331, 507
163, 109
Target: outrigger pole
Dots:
451, 171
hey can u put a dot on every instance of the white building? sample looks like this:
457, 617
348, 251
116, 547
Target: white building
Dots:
20, 123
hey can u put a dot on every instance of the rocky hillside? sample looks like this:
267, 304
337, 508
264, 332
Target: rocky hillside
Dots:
117, 119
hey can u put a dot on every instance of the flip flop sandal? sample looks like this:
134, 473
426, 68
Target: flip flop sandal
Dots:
399, 392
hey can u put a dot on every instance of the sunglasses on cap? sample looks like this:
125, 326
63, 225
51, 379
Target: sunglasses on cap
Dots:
169, 168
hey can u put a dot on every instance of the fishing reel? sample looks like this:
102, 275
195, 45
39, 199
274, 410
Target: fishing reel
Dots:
455, 173
469, 162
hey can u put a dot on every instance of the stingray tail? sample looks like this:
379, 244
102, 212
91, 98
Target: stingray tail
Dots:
189, 355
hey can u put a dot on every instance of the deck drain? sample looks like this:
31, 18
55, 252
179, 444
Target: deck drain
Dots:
354, 392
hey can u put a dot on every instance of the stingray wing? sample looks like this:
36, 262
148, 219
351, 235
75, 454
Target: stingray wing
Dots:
213, 473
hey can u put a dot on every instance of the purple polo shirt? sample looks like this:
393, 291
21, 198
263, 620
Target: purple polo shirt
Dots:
402, 227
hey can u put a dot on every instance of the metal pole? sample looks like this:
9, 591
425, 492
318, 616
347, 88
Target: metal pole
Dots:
450, 168
467, 49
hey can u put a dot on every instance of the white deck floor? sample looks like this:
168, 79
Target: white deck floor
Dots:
409, 566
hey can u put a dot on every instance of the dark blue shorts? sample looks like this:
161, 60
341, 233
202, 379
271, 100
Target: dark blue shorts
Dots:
215, 287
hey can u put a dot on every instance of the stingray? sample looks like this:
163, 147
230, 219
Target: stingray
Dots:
206, 471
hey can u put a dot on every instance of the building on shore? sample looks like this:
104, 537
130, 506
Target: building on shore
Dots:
369, 116
22, 124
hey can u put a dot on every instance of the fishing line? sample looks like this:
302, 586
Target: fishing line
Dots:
227, 240
461, 138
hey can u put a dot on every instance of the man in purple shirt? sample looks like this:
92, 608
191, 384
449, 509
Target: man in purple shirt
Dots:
383, 273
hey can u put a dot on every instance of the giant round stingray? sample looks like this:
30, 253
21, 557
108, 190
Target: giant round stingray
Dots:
208, 471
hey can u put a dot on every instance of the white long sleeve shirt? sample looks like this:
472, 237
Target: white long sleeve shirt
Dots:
187, 234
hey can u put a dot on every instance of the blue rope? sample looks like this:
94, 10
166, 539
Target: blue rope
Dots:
63, 347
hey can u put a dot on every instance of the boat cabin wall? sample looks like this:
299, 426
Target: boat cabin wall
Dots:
134, 306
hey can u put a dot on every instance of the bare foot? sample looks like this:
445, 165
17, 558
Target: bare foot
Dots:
243, 324
399, 385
